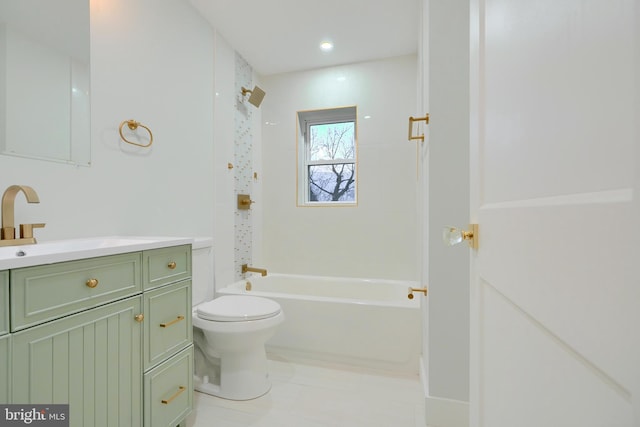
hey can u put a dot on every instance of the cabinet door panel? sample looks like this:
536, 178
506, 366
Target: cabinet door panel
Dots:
4, 302
5, 363
90, 360
167, 322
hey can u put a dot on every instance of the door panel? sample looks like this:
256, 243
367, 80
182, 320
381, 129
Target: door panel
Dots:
565, 266
574, 392
90, 360
555, 295
557, 78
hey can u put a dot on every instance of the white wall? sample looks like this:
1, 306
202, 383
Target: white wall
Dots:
375, 239
224, 130
446, 168
152, 61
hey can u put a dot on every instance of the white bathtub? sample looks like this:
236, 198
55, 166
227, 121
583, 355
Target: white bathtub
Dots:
357, 322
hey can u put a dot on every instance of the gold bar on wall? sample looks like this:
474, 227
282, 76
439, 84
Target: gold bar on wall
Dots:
419, 119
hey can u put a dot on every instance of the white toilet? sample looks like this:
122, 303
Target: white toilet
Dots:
229, 335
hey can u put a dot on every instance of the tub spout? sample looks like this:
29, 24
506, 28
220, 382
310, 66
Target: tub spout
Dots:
246, 268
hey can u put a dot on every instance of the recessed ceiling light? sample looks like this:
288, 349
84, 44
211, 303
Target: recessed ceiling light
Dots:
326, 46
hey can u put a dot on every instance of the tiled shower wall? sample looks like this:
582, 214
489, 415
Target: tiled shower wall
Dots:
243, 168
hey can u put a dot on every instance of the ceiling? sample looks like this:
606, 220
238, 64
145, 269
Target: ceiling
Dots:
278, 36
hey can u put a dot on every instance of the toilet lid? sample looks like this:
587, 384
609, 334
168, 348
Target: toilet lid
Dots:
236, 308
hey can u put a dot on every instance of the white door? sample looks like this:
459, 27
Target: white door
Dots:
555, 142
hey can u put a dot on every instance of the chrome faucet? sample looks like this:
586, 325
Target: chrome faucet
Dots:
246, 268
8, 232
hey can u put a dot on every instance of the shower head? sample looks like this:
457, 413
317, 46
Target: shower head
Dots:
256, 97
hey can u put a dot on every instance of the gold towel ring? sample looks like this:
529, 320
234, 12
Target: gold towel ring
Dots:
133, 125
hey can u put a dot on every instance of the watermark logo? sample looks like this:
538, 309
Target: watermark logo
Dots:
34, 415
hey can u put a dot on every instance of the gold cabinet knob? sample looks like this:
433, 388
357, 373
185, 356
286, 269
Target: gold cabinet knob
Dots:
172, 265
139, 317
92, 283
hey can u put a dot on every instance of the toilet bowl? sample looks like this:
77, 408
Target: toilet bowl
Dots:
229, 336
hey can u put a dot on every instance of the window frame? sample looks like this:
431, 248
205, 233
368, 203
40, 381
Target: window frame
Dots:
305, 120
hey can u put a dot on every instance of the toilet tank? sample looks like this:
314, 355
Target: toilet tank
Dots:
202, 270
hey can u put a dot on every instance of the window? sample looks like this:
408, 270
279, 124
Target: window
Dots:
327, 152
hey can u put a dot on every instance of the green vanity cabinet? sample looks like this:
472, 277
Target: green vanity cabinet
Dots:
111, 336
5, 368
168, 395
90, 360
4, 302
168, 336
5, 349
166, 265
167, 323
46, 292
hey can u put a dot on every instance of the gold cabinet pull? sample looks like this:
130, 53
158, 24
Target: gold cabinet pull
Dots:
180, 390
172, 265
139, 317
92, 283
173, 322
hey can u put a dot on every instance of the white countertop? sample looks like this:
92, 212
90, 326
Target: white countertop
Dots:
72, 249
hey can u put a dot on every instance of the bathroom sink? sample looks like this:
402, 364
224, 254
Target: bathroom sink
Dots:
67, 250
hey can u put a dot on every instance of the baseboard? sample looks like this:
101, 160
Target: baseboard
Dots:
441, 412
343, 362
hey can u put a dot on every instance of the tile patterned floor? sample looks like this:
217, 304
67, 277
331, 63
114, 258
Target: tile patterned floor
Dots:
311, 395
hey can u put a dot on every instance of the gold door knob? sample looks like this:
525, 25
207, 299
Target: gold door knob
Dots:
139, 317
92, 283
172, 265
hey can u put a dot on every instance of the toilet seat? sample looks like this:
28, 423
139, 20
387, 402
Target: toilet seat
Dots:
237, 308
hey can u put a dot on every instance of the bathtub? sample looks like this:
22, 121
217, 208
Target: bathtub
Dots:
342, 321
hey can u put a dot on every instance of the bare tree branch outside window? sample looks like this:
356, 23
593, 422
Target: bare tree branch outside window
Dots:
332, 162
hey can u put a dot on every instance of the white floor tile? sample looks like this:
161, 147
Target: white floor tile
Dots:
306, 395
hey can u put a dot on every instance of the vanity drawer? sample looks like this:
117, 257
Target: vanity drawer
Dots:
46, 292
167, 321
166, 265
4, 302
168, 391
